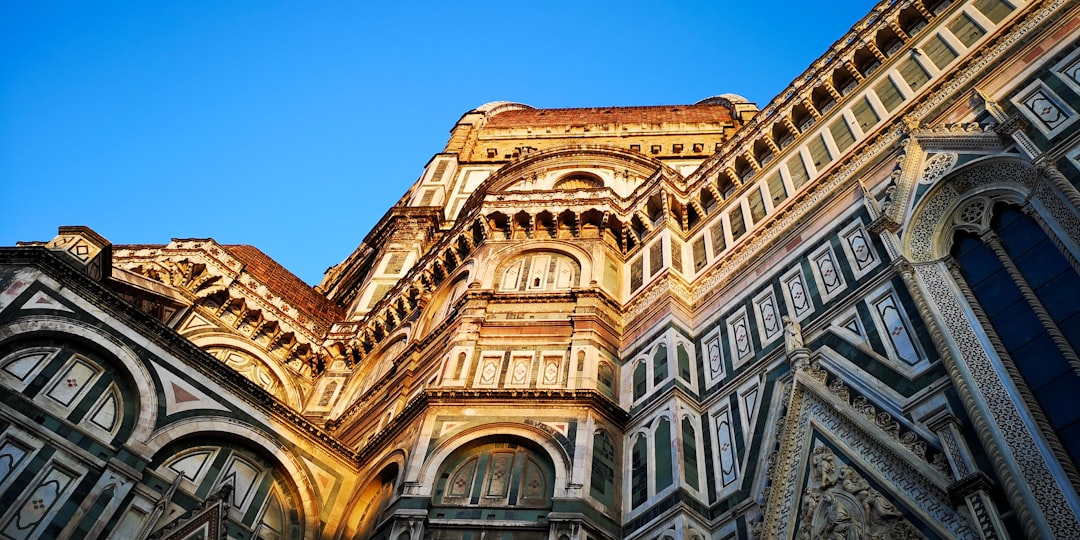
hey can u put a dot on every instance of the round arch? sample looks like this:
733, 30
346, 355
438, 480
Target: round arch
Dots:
356, 507
562, 461
448, 291
927, 238
257, 439
490, 272
290, 391
362, 374
78, 330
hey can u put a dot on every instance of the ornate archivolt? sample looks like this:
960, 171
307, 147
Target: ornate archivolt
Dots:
228, 299
1028, 465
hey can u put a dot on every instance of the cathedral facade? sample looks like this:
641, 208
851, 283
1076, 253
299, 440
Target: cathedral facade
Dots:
851, 313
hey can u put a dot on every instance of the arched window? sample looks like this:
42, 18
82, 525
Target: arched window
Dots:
660, 365
510, 481
639, 381
605, 378
684, 362
373, 501
602, 479
579, 181
260, 497
1028, 291
639, 471
689, 448
539, 271
662, 443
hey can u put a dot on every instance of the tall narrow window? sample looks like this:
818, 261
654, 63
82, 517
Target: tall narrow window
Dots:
605, 377
639, 470
757, 205
719, 243
966, 30
738, 225
889, 94
939, 52
776, 188
689, 450
636, 270
913, 73
819, 153
602, 479
660, 369
841, 134
639, 381
662, 444
998, 268
698, 249
995, 10
864, 114
797, 170
684, 362
656, 257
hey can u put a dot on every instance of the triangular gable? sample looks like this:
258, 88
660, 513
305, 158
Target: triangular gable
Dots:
821, 416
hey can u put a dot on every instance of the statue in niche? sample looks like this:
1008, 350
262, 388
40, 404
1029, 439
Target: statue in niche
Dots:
793, 338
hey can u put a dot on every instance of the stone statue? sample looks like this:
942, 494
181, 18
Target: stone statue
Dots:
792, 334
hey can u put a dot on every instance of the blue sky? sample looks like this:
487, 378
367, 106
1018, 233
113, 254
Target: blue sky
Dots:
294, 126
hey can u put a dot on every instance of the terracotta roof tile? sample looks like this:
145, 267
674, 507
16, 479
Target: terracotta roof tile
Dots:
281, 281
689, 114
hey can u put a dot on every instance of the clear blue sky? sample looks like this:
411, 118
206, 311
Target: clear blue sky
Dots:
293, 126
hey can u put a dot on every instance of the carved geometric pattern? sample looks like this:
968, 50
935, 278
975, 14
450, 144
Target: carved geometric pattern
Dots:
41, 300
14, 455
742, 346
937, 166
725, 445
1044, 108
920, 236
768, 316
977, 367
488, 373
797, 294
897, 330
714, 358
827, 273
859, 251
76, 379
51, 489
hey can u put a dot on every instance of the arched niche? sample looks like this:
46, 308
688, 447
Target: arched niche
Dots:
239, 355
261, 496
370, 371
510, 479
444, 298
517, 268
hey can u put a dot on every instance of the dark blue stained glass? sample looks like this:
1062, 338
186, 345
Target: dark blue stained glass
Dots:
1037, 371
1041, 264
1070, 438
1016, 325
981, 260
1059, 400
1040, 361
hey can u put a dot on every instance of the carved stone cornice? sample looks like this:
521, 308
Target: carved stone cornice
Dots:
167, 339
